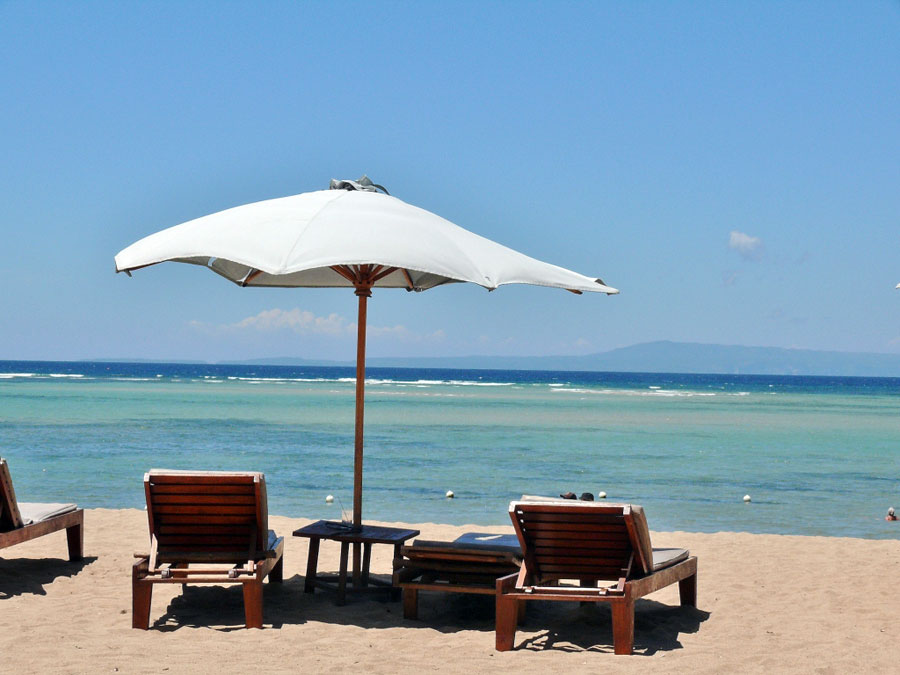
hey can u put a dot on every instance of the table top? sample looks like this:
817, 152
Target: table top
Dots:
369, 534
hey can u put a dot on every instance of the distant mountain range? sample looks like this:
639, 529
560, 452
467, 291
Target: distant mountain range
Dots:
654, 357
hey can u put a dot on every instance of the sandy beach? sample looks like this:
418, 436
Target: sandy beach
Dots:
766, 603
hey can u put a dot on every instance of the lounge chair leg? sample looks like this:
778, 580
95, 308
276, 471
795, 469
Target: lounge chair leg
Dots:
253, 604
276, 575
507, 616
141, 594
410, 603
623, 625
687, 590
75, 540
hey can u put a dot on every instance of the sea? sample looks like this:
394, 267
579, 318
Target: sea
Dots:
816, 455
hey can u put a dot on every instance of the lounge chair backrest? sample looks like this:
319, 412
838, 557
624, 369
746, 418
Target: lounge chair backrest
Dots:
10, 518
581, 540
222, 515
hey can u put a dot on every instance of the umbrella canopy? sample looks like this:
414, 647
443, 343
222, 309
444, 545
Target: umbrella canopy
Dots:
348, 236
300, 240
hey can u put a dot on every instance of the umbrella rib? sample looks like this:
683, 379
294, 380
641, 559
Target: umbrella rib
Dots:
129, 270
378, 276
345, 272
250, 277
409, 282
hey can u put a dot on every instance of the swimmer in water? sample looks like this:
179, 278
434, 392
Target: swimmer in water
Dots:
890, 514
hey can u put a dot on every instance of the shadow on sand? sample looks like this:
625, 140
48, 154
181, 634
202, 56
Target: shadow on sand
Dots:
29, 576
657, 627
561, 626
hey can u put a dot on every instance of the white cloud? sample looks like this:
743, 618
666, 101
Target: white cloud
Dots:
304, 322
749, 247
299, 321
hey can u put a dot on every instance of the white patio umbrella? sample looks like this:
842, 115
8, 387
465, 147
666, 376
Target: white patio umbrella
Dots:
351, 235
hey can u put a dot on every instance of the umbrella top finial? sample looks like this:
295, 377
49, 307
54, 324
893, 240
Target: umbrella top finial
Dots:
364, 184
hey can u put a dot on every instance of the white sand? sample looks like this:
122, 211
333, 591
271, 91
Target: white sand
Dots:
766, 603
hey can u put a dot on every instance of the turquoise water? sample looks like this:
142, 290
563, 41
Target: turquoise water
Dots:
817, 455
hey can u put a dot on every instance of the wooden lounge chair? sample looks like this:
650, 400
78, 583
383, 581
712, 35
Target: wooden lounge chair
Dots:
216, 519
470, 564
588, 543
23, 521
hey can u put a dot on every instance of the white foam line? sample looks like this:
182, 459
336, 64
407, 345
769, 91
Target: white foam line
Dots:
658, 393
369, 381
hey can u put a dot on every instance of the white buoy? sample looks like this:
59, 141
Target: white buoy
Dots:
450, 494
747, 498
329, 499
601, 495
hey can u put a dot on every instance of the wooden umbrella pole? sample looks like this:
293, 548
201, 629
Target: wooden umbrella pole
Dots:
363, 292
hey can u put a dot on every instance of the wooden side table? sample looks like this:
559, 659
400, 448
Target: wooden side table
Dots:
368, 535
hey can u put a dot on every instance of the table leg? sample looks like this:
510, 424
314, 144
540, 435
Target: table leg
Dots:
395, 592
312, 562
342, 574
357, 573
367, 557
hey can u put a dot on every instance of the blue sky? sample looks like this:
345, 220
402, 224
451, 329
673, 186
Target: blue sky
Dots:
732, 168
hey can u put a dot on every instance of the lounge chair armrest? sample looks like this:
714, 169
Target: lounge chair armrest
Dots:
141, 555
274, 544
140, 568
507, 583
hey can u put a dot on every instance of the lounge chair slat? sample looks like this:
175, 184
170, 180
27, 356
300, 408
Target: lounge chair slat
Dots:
594, 540
205, 519
223, 556
570, 557
578, 527
483, 586
209, 478
225, 530
450, 558
241, 534
201, 509
565, 570
564, 507
171, 549
234, 543
192, 488
579, 548
471, 568
237, 500
560, 518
